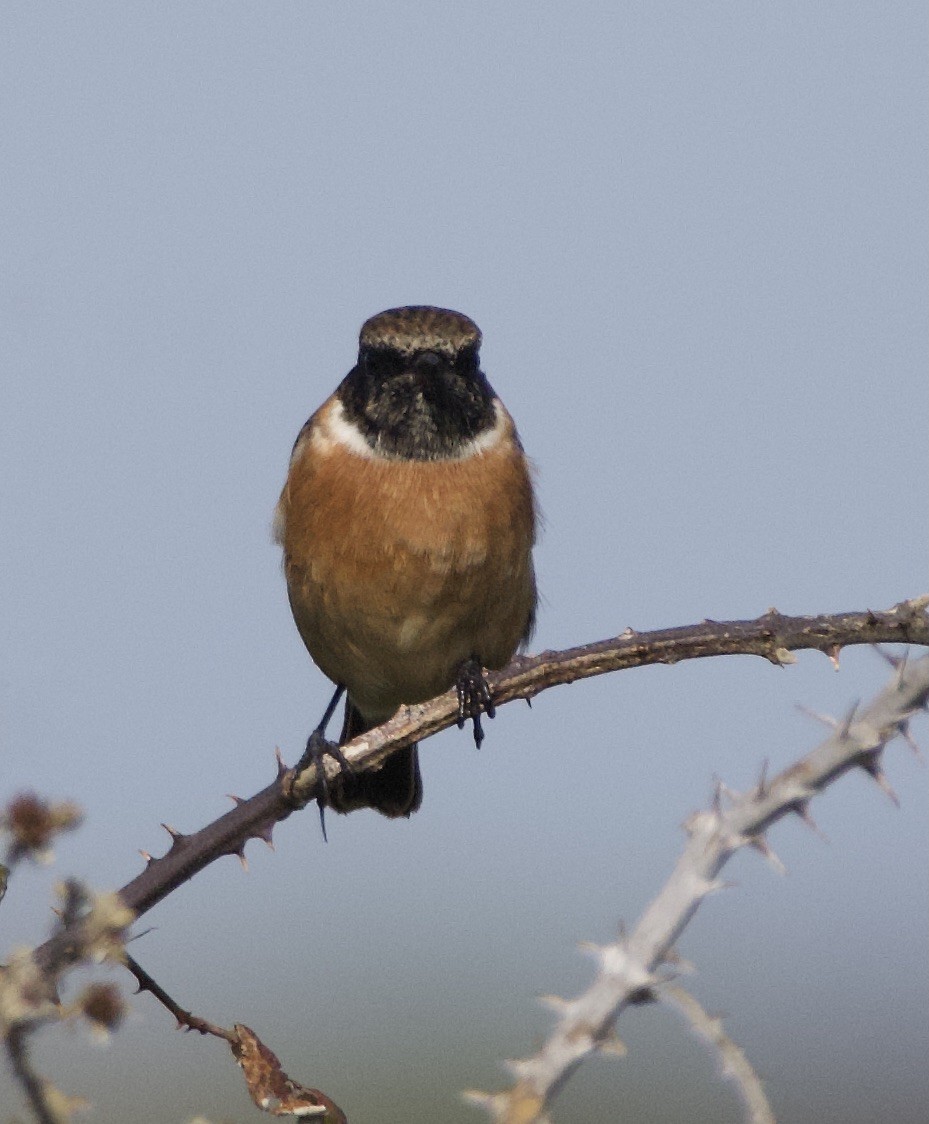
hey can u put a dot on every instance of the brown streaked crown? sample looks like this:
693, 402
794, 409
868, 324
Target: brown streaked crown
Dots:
420, 327
417, 391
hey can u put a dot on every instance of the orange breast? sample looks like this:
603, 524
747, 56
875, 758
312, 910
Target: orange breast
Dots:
398, 571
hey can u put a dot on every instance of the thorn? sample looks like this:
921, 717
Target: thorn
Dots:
761, 845
761, 787
173, 832
265, 834
681, 966
518, 1067
147, 857
893, 660
782, 657
612, 1046
689, 826
898, 663
874, 770
481, 1100
904, 729
802, 809
628, 633
901, 669
235, 799
826, 719
833, 654
772, 612
242, 859
718, 797
554, 1003
846, 725
281, 767
722, 789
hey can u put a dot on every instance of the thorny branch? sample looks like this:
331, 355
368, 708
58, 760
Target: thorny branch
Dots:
94, 928
629, 969
772, 636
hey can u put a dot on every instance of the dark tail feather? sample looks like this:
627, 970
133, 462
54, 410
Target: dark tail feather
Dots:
396, 789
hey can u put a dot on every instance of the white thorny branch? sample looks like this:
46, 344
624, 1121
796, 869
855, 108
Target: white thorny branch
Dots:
628, 968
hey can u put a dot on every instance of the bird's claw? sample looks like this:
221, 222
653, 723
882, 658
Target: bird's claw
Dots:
318, 748
474, 697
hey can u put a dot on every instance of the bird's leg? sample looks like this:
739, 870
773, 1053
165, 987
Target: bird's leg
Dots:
317, 749
473, 697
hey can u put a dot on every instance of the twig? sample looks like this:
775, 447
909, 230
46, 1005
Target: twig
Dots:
734, 1062
185, 1019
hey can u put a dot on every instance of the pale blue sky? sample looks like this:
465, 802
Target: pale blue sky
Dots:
694, 236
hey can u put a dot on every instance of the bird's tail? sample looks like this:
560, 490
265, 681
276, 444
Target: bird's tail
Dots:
396, 789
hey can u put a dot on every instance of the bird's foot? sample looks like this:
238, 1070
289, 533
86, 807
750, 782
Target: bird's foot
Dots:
473, 697
318, 748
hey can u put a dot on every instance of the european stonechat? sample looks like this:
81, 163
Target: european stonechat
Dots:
407, 523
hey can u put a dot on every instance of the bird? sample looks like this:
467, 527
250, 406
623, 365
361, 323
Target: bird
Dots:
407, 523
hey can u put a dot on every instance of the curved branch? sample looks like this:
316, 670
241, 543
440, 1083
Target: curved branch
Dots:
772, 636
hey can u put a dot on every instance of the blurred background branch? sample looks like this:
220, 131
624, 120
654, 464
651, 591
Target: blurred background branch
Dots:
629, 968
